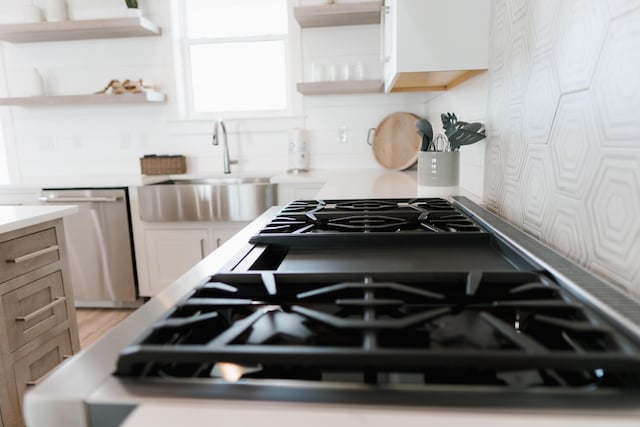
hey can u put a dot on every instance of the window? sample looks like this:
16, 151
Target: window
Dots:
236, 55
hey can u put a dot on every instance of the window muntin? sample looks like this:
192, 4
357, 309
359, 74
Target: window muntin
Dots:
236, 55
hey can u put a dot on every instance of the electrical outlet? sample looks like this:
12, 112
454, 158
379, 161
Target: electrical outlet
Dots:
343, 134
46, 143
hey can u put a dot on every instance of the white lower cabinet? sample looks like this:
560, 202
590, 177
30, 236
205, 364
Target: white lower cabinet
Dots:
170, 250
222, 234
170, 253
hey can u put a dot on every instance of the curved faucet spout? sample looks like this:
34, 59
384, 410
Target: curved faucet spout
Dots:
226, 162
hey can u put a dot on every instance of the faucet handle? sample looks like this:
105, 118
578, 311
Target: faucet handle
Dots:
214, 135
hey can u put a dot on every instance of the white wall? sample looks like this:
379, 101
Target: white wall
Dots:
469, 102
99, 140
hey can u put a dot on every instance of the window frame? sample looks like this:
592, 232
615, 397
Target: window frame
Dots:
183, 76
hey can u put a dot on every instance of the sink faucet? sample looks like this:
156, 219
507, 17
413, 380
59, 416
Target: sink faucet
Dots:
226, 162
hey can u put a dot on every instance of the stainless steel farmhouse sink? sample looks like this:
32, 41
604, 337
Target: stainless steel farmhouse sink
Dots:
206, 199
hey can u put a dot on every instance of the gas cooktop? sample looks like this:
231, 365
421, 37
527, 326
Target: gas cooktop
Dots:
358, 219
329, 301
511, 329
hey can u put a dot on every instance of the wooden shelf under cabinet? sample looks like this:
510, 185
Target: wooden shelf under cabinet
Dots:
338, 14
137, 26
341, 87
125, 98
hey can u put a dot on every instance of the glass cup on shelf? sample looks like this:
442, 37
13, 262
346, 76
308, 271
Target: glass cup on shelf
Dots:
332, 72
344, 72
318, 72
357, 71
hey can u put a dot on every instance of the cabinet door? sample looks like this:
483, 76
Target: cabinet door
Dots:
387, 26
32, 368
27, 252
222, 234
170, 253
33, 308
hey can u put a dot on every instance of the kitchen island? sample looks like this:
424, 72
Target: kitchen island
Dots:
38, 327
16, 217
84, 392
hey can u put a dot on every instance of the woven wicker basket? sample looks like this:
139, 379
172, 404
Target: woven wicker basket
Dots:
163, 165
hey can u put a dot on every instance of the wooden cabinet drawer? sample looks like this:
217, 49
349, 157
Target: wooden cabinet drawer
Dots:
34, 308
33, 367
27, 253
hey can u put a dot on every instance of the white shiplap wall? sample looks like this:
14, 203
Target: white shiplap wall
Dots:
99, 140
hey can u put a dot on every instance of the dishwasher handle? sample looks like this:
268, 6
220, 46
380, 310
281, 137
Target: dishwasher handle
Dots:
48, 199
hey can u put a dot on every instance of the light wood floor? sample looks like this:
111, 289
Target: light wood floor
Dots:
95, 322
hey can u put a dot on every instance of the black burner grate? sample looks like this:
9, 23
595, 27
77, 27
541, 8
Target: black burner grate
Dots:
362, 217
515, 329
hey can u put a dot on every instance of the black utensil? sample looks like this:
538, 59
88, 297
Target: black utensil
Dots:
467, 134
450, 123
474, 127
425, 130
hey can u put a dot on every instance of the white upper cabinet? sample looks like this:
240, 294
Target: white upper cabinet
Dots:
433, 44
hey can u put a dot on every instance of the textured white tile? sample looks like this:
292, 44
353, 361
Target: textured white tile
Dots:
619, 7
616, 83
574, 144
541, 100
545, 16
499, 33
583, 25
497, 103
513, 143
580, 192
518, 62
614, 209
536, 185
493, 173
567, 228
511, 207
518, 9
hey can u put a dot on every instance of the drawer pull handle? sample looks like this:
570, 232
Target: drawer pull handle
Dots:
36, 382
39, 380
38, 312
80, 199
33, 255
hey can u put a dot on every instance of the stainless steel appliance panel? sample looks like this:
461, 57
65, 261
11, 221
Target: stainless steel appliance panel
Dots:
99, 246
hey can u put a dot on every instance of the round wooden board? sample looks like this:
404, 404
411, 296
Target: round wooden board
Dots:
396, 141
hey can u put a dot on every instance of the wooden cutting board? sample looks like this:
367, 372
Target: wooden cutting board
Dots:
396, 141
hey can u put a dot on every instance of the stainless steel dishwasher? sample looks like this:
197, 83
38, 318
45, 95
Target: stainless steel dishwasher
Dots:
99, 243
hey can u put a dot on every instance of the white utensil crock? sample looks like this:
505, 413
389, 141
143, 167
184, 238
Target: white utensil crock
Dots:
56, 10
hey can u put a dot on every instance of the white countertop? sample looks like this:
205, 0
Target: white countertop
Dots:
88, 181
233, 413
336, 183
369, 183
16, 217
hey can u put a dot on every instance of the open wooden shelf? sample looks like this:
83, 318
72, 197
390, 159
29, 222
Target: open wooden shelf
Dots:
341, 87
338, 14
137, 26
125, 98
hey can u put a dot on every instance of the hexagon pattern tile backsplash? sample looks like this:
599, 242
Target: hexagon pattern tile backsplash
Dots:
563, 153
